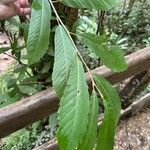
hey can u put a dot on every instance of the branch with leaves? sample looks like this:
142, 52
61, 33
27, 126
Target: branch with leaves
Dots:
78, 110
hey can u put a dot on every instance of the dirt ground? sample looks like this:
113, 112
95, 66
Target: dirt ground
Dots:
5, 60
134, 133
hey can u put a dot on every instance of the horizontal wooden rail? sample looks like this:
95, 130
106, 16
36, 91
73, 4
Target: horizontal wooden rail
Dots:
134, 108
38, 106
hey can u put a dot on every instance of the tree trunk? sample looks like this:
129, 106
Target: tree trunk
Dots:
69, 15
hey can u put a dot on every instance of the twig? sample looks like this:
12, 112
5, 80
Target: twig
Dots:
77, 51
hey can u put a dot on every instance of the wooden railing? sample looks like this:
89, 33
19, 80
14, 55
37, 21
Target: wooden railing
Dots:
133, 109
40, 105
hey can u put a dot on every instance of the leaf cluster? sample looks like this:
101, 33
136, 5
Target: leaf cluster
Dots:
79, 108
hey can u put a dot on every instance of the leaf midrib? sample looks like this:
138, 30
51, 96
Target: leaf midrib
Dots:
66, 60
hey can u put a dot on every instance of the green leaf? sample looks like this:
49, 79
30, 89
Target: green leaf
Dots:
39, 30
64, 56
74, 109
112, 57
111, 114
23, 25
91, 133
4, 49
91, 4
6, 100
28, 89
47, 66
